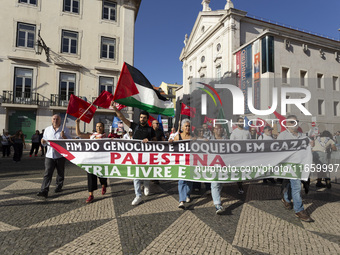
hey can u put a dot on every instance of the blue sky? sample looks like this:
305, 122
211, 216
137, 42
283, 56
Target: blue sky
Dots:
162, 24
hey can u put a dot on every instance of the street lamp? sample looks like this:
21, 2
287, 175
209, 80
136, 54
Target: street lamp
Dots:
40, 46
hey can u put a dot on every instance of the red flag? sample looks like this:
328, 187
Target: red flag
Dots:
187, 110
119, 106
260, 125
151, 119
208, 121
281, 118
77, 106
104, 100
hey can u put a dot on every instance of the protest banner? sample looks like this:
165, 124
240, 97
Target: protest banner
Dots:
204, 161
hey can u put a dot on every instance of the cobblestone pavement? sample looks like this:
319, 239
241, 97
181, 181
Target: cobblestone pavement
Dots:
253, 223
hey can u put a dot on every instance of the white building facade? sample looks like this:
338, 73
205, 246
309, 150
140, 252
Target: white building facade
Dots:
228, 43
88, 42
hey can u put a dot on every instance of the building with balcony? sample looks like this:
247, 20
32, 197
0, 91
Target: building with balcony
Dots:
255, 53
84, 45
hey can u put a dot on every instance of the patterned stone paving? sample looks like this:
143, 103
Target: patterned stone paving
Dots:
252, 223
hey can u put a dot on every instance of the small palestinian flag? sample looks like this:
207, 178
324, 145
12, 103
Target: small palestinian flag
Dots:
134, 89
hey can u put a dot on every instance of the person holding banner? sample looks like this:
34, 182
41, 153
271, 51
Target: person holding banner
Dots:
141, 131
92, 182
53, 159
184, 187
292, 189
240, 133
216, 187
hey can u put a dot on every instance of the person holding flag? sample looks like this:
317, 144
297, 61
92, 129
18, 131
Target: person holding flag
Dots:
92, 183
53, 159
141, 131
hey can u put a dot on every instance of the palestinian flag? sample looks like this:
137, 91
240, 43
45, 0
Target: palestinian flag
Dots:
134, 89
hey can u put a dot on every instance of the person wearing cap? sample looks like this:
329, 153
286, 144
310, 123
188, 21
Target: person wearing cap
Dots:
267, 134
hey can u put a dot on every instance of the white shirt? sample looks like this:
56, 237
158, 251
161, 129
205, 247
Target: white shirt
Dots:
286, 135
240, 134
265, 137
127, 137
51, 134
172, 136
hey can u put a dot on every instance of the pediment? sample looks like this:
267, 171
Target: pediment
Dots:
205, 22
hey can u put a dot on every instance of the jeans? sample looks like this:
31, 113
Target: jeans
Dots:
6, 150
18, 148
50, 165
138, 183
216, 192
294, 192
184, 189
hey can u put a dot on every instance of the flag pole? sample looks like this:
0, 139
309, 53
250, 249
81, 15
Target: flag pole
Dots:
64, 122
86, 111
179, 122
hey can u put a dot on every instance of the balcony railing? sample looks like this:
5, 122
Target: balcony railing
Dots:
30, 98
62, 100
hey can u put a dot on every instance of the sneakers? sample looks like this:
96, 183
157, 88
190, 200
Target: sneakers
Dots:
30, 156
288, 206
146, 191
42, 194
219, 209
89, 199
35, 155
303, 215
181, 205
188, 200
103, 190
137, 201
240, 191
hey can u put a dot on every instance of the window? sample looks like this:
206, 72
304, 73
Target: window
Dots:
106, 83
69, 42
34, 2
320, 81
267, 49
109, 10
202, 59
25, 35
108, 46
335, 83
67, 85
22, 84
321, 107
303, 76
336, 108
218, 72
71, 6
285, 74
